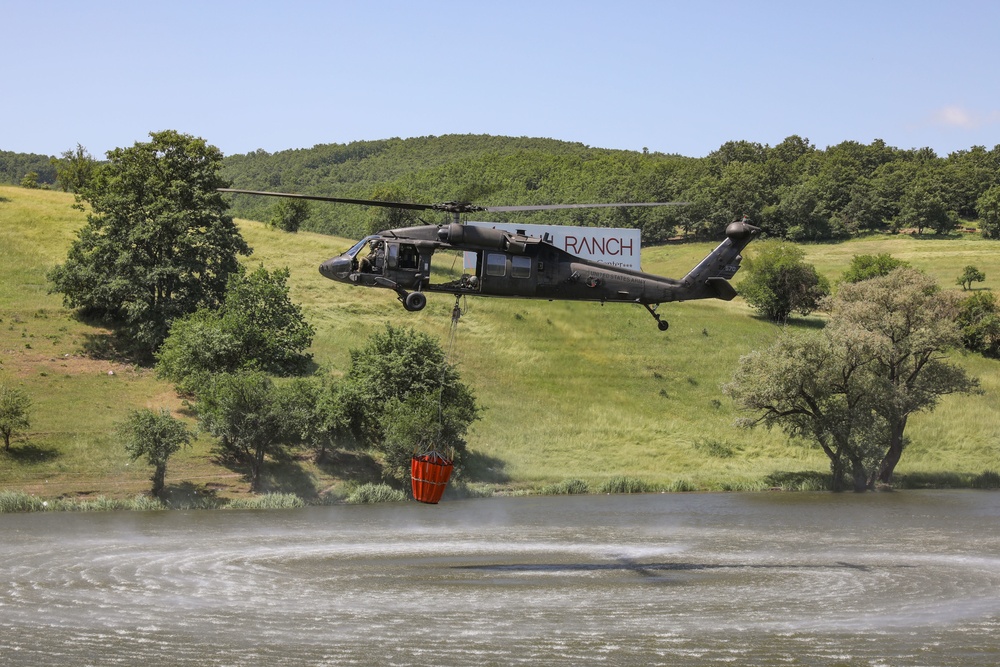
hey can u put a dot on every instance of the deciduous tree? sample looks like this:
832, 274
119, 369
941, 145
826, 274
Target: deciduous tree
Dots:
15, 412
779, 282
155, 435
258, 326
400, 383
243, 410
970, 274
158, 243
74, 169
817, 387
864, 267
910, 324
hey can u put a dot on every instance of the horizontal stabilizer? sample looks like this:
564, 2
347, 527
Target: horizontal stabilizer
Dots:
723, 290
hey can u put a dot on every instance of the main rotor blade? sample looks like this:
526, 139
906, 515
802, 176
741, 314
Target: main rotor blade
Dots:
448, 206
339, 200
549, 207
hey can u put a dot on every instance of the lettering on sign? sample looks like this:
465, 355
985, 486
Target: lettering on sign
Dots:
611, 246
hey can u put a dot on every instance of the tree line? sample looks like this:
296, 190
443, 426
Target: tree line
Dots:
794, 190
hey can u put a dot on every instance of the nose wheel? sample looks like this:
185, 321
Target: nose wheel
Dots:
661, 323
414, 301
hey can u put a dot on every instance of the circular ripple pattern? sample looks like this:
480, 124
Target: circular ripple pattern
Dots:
757, 579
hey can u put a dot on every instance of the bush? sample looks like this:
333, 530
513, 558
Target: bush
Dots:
779, 283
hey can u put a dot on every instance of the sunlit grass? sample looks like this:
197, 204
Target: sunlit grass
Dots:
572, 392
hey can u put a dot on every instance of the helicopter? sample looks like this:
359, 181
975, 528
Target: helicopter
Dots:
504, 263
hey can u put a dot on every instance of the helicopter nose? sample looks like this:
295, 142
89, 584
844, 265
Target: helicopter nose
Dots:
336, 268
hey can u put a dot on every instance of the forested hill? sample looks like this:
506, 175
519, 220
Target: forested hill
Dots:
793, 189
483, 169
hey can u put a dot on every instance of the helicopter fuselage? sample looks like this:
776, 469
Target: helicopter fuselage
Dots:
498, 263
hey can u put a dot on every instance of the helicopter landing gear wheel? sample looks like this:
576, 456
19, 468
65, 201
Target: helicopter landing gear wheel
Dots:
414, 301
661, 323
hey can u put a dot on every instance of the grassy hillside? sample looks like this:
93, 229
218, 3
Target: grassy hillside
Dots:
570, 390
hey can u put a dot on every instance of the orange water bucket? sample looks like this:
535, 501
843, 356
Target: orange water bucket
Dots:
429, 473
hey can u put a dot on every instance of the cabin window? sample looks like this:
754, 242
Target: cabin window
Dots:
520, 267
496, 265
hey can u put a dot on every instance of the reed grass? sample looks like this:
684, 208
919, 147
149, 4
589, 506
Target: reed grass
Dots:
267, 501
375, 493
566, 487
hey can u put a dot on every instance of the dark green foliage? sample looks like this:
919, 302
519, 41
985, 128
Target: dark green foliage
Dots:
158, 244
988, 479
779, 283
258, 326
289, 214
865, 267
154, 436
793, 189
15, 412
314, 414
14, 167
244, 411
988, 208
30, 180
979, 319
74, 169
401, 394
269, 326
970, 274
624, 484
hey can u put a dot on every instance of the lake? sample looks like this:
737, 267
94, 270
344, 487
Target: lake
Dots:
901, 578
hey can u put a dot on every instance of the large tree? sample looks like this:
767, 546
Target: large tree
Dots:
155, 436
853, 386
818, 387
158, 242
911, 324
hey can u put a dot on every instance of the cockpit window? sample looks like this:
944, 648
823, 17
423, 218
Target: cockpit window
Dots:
356, 248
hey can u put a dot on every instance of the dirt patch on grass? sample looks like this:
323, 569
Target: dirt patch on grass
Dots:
31, 363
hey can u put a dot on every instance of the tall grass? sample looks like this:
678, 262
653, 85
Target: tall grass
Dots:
375, 493
267, 501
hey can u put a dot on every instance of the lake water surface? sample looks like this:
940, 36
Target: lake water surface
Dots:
904, 578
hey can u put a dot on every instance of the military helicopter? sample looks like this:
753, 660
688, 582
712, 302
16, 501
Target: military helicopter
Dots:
509, 264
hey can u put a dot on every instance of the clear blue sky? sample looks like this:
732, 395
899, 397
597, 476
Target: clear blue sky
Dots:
675, 77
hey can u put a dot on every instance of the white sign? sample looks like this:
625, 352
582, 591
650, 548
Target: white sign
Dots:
615, 247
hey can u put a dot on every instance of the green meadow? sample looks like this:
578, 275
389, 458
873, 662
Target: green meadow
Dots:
570, 391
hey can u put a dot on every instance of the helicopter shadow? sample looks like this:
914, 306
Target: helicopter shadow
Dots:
657, 569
